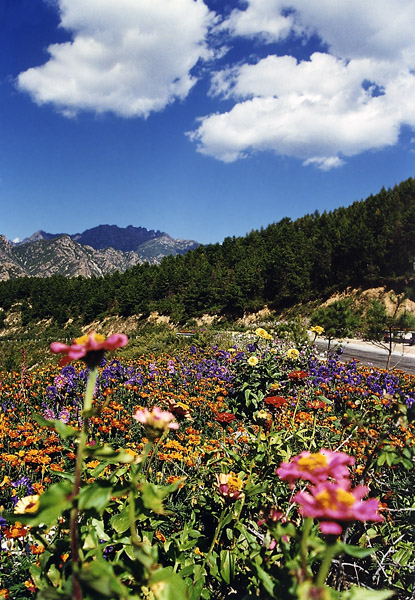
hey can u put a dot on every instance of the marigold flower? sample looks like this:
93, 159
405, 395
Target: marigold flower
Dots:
317, 329
293, 353
316, 467
90, 348
252, 361
28, 504
332, 502
156, 421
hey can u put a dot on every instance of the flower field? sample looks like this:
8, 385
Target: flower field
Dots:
259, 470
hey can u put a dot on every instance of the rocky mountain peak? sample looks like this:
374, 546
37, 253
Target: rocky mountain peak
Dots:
94, 252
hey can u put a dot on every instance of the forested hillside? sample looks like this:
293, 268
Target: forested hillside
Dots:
369, 243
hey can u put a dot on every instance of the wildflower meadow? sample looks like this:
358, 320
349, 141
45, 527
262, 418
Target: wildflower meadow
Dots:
259, 470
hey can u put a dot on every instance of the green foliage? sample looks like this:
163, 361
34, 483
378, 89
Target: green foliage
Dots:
338, 319
368, 243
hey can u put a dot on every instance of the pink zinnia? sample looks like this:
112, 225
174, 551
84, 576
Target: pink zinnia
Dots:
230, 486
332, 502
156, 421
90, 348
316, 467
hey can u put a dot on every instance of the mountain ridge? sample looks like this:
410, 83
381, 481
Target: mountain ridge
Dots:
94, 252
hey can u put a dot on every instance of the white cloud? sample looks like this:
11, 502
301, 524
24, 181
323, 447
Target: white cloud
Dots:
349, 100
16, 240
126, 57
350, 28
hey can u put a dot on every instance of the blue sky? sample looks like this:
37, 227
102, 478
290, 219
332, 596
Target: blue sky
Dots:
204, 119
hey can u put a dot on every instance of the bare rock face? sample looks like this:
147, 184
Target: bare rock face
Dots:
62, 255
45, 254
9, 265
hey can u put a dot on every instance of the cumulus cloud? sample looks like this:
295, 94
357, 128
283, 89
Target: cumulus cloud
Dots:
353, 98
126, 57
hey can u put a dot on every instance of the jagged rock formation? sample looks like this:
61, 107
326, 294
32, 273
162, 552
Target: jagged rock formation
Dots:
155, 250
9, 266
95, 252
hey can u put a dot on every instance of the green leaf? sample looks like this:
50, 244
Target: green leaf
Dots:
99, 528
105, 452
408, 464
227, 565
95, 495
65, 431
265, 579
121, 521
99, 576
151, 497
251, 490
197, 588
357, 593
355, 551
167, 585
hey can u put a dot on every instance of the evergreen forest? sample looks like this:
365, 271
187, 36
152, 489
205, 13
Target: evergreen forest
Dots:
369, 243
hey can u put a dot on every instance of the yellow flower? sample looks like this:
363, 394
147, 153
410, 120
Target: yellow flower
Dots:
231, 350
29, 504
252, 360
293, 353
317, 329
261, 332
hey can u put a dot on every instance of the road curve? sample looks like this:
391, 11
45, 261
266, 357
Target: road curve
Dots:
368, 354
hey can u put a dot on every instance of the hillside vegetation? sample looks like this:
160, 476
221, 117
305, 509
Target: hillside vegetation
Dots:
368, 244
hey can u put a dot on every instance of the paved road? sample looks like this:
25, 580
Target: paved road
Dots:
368, 354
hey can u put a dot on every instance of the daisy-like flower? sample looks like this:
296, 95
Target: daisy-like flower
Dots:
261, 417
316, 467
317, 329
252, 361
90, 348
293, 353
28, 504
230, 486
336, 504
155, 422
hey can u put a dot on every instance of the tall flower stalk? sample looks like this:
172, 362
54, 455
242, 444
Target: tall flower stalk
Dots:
89, 348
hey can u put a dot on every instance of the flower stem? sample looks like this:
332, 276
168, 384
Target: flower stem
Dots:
134, 474
216, 537
76, 588
314, 430
331, 551
308, 522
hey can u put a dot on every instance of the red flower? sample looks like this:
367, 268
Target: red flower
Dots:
316, 404
224, 417
276, 401
90, 348
297, 375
